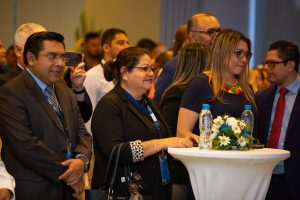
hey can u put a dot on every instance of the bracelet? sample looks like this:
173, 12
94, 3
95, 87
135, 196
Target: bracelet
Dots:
154, 145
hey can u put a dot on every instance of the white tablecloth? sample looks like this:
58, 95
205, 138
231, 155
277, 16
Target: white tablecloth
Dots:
222, 175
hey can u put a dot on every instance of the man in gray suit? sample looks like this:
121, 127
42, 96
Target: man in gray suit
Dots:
45, 144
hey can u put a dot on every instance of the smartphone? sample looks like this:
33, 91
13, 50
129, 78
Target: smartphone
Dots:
73, 58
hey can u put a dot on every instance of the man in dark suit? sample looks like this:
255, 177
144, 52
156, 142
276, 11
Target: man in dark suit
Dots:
45, 144
77, 76
202, 28
279, 111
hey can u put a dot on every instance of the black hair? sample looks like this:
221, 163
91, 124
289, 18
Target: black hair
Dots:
35, 42
146, 43
128, 57
91, 35
11, 48
109, 35
287, 51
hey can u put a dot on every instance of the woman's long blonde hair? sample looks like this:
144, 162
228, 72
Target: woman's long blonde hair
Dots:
222, 48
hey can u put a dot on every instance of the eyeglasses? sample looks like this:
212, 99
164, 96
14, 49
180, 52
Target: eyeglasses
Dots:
55, 57
240, 54
272, 64
146, 69
209, 32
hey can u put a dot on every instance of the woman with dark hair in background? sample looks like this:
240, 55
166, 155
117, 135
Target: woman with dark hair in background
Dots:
125, 115
191, 62
180, 39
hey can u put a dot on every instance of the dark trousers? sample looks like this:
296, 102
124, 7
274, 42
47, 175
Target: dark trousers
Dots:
278, 189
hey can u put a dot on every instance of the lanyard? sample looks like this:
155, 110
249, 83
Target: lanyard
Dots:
147, 110
61, 119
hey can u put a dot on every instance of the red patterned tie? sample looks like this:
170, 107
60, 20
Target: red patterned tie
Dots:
277, 122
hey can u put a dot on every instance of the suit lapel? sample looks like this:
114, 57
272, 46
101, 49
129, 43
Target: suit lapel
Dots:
36, 92
293, 117
64, 104
265, 110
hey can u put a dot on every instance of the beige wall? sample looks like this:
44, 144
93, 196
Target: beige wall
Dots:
55, 15
139, 18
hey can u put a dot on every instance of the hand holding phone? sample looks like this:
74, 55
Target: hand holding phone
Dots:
73, 58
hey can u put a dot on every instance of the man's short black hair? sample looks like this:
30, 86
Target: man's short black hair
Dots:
146, 43
35, 42
109, 35
287, 51
91, 35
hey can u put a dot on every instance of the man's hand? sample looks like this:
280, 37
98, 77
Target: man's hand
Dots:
78, 187
74, 172
5, 194
77, 77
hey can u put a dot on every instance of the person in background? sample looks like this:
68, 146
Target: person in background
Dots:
125, 115
278, 117
12, 61
201, 28
92, 50
146, 43
159, 62
113, 40
224, 84
258, 78
180, 39
192, 61
2, 58
158, 49
11, 58
47, 157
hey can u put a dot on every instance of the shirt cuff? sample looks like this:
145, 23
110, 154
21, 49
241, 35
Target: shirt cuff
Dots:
8, 182
137, 151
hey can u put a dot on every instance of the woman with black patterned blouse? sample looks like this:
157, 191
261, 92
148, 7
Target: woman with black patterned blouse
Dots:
125, 115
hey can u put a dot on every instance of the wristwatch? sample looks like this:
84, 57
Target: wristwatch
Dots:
86, 162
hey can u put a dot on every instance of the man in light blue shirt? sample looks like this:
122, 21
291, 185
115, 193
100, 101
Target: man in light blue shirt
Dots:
45, 145
281, 62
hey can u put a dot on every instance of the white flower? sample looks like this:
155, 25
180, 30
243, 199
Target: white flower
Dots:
231, 121
224, 140
215, 128
219, 120
225, 117
242, 141
242, 124
236, 129
213, 135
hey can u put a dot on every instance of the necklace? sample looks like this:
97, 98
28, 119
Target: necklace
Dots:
233, 88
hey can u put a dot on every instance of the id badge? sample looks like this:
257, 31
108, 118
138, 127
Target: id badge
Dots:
164, 169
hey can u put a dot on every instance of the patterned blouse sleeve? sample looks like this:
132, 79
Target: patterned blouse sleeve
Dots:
137, 150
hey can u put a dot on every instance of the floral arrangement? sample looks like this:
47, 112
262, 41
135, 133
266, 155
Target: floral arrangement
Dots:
229, 133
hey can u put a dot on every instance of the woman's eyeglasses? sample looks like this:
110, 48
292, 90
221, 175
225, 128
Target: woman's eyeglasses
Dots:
240, 54
146, 69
